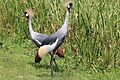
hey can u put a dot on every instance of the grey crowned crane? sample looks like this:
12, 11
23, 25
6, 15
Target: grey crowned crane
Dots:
60, 35
38, 38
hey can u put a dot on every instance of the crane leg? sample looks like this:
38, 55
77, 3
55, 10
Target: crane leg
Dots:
51, 64
55, 62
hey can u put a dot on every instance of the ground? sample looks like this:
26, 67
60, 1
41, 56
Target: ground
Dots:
15, 64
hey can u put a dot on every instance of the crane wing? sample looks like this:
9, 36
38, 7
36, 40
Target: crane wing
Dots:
39, 38
60, 41
49, 40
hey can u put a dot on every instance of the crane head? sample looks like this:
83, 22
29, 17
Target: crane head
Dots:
40, 54
29, 13
60, 52
37, 58
26, 14
69, 6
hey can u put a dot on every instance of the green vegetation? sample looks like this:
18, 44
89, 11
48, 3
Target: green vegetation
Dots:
92, 47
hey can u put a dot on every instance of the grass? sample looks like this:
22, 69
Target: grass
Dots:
93, 36
17, 63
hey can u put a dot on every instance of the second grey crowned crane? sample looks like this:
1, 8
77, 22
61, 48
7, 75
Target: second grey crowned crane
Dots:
60, 35
37, 38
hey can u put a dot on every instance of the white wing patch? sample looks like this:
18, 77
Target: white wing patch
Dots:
38, 42
52, 46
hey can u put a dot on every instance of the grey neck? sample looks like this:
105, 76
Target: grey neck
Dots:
30, 26
65, 25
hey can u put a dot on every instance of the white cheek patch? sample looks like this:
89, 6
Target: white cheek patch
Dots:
68, 6
27, 14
